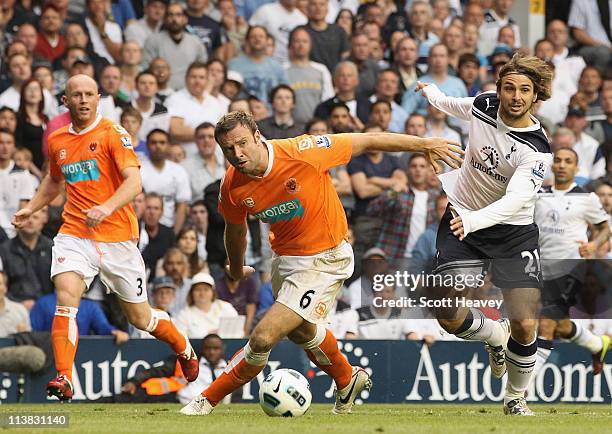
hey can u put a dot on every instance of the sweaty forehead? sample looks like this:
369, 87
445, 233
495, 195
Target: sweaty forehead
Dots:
81, 85
236, 135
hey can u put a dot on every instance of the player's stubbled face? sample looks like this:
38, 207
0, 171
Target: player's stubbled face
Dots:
564, 165
516, 95
244, 150
82, 100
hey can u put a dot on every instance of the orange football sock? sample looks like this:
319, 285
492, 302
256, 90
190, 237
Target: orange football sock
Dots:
323, 351
242, 368
64, 339
162, 328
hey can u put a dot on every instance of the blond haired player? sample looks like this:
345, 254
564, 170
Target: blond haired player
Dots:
286, 184
96, 160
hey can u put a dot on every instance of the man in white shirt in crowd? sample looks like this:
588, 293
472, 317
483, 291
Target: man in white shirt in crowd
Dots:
191, 106
205, 167
15, 183
585, 19
406, 211
564, 84
558, 34
166, 178
160, 68
154, 114
150, 23
592, 163
106, 36
496, 18
279, 18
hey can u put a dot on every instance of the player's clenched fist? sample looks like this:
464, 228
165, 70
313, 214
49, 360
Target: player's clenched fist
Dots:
21, 217
96, 215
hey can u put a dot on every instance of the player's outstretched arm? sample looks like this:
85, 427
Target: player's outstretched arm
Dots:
460, 108
127, 191
235, 246
434, 148
47, 191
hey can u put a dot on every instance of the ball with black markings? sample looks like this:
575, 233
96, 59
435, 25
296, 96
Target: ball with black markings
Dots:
285, 392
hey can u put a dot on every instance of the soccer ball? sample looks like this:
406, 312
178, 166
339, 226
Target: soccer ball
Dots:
285, 392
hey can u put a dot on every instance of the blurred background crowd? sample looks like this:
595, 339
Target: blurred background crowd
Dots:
167, 71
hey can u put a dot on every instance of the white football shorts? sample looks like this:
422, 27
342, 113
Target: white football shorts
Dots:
119, 265
309, 285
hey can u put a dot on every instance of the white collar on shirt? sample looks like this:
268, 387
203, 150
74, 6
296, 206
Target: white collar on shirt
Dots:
86, 130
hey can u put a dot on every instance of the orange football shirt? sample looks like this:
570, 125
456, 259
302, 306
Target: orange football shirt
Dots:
295, 195
91, 163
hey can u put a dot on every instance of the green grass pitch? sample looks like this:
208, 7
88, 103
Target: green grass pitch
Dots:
369, 418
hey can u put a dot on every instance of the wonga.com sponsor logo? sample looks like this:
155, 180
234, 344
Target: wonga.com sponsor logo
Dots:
85, 170
283, 211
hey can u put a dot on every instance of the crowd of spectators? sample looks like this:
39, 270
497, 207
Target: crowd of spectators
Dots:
167, 71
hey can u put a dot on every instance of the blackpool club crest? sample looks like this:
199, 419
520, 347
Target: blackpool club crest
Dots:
292, 186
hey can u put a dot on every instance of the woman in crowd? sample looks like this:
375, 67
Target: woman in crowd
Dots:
31, 121
204, 311
346, 20
187, 242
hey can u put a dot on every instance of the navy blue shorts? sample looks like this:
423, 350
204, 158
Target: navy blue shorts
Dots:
509, 252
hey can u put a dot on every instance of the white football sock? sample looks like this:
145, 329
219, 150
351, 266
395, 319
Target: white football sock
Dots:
585, 338
481, 328
520, 362
545, 347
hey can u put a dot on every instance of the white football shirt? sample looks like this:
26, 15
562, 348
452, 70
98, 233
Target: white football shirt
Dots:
504, 167
172, 183
563, 217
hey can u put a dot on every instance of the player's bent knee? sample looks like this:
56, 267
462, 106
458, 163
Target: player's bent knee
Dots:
138, 314
261, 341
69, 287
304, 333
450, 325
139, 323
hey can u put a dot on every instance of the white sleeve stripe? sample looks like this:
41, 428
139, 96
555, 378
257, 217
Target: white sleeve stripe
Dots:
480, 116
486, 116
